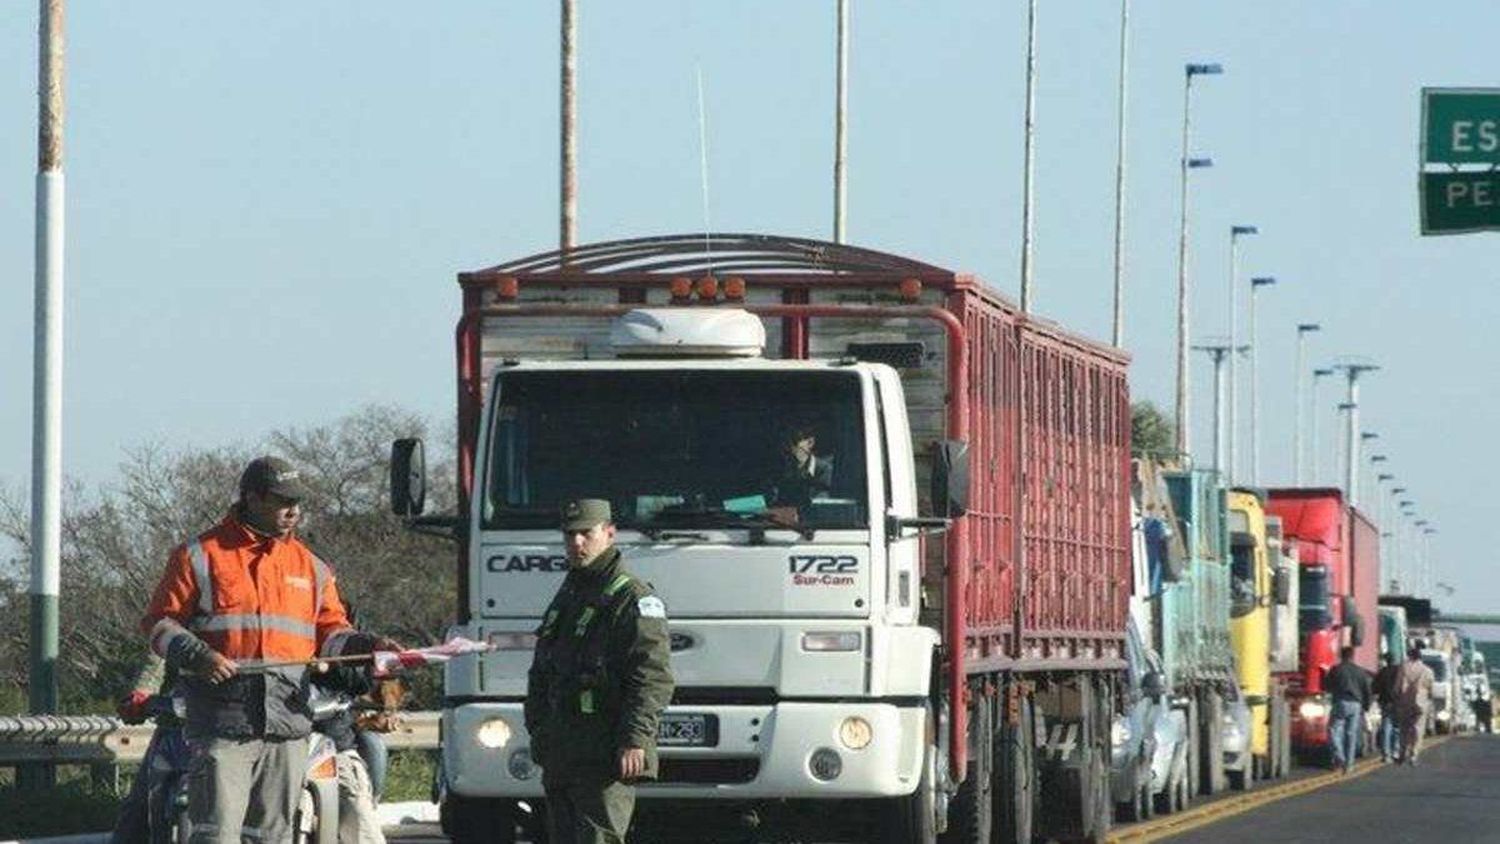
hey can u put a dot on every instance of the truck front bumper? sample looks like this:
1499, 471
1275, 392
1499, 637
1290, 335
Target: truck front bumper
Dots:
764, 751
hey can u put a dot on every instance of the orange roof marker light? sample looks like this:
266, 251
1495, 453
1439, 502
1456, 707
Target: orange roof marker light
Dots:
682, 288
507, 287
910, 289
708, 288
734, 288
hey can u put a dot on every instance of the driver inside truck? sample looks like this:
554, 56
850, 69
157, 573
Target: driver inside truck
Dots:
803, 475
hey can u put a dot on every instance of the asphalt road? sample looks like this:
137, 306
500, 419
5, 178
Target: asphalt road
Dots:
1453, 795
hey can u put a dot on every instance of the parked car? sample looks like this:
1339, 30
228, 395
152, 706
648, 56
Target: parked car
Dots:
1149, 740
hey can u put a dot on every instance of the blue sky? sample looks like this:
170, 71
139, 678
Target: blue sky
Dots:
268, 202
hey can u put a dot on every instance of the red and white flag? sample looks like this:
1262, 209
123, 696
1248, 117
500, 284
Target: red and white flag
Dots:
389, 662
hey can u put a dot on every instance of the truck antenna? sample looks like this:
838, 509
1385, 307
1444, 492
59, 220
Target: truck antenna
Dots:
703, 170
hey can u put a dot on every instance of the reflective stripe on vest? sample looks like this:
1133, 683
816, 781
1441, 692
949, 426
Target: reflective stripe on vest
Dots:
229, 622
201, 574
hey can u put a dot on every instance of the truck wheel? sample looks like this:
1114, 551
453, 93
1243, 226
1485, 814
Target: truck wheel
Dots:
1244, 779
1015, 789
1286, 738
910, 819
1194, 746
1097, 730
1211, 732
971, 814
471, 820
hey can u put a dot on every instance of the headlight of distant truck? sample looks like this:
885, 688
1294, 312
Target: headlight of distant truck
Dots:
1119, 731
1444, 715
493, 733
1312, 709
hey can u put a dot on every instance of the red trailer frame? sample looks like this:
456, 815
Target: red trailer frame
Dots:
1050, 597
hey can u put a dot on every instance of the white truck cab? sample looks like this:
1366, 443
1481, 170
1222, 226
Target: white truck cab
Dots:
802, 668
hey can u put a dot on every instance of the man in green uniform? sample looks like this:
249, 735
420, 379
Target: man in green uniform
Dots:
599, 680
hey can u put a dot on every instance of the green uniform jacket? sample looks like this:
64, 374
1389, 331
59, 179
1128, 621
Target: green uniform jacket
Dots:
601, 675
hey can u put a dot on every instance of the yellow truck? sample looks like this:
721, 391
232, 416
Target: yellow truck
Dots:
1260, 588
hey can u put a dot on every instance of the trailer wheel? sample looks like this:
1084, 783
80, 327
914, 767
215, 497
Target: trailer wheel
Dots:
971, 814
1015, 789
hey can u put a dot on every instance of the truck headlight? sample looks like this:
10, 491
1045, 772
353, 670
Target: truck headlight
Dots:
493, 733
1312, 709
825, 764
855, 732
1119, 731
520, 765
1444, 715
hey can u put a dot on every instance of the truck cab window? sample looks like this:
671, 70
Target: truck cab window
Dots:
679, 449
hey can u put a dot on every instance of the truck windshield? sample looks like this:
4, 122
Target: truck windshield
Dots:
1313, 610
1242, 575
1438, 665
679, 449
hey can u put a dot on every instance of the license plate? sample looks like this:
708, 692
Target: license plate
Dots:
685, 729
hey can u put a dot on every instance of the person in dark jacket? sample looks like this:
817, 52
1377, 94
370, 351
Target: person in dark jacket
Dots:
1385, 693
599, 680
1349, 687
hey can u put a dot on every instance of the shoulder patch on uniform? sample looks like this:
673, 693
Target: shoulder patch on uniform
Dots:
651, 607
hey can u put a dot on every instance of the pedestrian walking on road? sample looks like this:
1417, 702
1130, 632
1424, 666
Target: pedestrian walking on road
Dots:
1349, 685
1413, 699
1385, 695
599, 679
238, 610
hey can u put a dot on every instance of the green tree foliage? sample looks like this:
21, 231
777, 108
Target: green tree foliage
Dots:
116, 538
1152, 434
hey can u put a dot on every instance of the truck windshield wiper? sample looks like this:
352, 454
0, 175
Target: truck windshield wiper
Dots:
716, 517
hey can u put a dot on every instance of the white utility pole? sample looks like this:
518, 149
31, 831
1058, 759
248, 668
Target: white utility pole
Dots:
1028, 176
1231, 469
46, 397
1218, 352
1119, 332
1303, 329
1255, 285
1184, 439
568, 222
1352, 372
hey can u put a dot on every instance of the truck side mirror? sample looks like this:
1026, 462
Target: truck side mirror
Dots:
1281, 585
1153, 686
408, 478
950, 479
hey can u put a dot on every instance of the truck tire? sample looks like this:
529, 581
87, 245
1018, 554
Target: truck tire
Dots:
1101, 805
1211, 778
971, 814
1286, 738
473, 820
911, 819
1015, 789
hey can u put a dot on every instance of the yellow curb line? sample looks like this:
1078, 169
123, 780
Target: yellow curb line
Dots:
1228, 807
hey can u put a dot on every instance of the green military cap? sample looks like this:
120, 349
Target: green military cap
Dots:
585, 514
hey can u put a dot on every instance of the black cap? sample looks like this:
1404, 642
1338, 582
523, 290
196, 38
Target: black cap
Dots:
273, 476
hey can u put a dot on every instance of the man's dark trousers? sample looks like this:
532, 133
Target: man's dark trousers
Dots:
589, 813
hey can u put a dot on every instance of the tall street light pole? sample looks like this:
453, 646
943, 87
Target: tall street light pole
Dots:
1028, 176
1218, 352
568, 129
1235, 233
46, 397
841, 125
1352, 371
1427, 533
1184, 441
1303, 329
1119, 332
1255, 285
1385, 529
1398, 552
1317, 455
1364, 437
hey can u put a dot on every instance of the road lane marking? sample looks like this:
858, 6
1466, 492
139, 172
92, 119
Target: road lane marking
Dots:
1228, 807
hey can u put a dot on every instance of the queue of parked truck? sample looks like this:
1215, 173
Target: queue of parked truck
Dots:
990, 624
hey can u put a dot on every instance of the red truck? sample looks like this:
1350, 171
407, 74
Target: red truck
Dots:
1338, 550
941, 631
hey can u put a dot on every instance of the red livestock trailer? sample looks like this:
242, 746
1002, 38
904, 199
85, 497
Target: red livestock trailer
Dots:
1025, 593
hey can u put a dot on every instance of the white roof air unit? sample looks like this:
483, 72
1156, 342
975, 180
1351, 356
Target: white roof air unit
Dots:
688, 332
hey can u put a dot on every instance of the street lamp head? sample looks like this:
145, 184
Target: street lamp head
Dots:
1304, 327
1420, 523
1384, 476
1368, 435
1236, 231
1262, 281
1430, 531
1199, 163
1209, 69
1406, 503
1378, 458
1319, 373
1397, 490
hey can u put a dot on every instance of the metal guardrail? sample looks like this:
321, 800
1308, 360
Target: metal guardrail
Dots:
104, 739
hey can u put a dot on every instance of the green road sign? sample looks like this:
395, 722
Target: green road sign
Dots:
1454, 203
1461, 126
